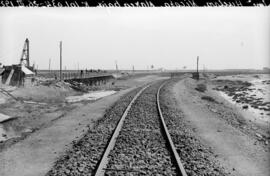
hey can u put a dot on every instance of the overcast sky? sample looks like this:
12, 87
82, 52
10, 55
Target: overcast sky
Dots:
164, 37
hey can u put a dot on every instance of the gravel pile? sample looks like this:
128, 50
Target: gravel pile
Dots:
85, 153
196, 158
140, 147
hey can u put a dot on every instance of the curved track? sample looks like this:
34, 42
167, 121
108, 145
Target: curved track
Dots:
141, 143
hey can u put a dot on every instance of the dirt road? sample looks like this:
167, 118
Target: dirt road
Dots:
237, 152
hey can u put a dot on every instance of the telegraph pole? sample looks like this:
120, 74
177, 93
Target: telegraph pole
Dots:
197, 64
60, 60
50, 65
116, 66
197, 75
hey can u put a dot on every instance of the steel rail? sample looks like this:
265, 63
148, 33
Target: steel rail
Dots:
101, 169
169, 139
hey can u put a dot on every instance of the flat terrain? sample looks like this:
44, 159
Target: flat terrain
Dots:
35, 153
240, 153
211, 135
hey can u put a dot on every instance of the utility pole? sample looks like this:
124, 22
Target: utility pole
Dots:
133, 69
197, 64
50, 65
60, 60
197, 73
116, 66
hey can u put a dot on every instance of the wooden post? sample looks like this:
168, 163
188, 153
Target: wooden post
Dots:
50, 65
60, 60
198, 76
197, 64
116, 66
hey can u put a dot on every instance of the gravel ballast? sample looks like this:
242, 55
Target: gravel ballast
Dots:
196, 158
141, 148
83, 156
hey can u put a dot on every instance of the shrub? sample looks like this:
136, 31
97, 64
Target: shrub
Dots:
208, 98
201, 87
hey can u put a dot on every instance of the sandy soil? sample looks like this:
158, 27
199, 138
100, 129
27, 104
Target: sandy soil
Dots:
38, 106
35, 153
235, 144
35, 108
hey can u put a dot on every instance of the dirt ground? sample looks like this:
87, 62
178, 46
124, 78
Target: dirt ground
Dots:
237, 145
34, 108
49, 129
53, 126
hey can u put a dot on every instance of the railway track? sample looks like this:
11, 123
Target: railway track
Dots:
132, 139
141, 143
139, 146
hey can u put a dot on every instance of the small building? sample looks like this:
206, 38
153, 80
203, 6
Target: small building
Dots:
15, 75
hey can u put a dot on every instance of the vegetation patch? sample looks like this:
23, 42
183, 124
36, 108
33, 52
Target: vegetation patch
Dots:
208, 98
201, 88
